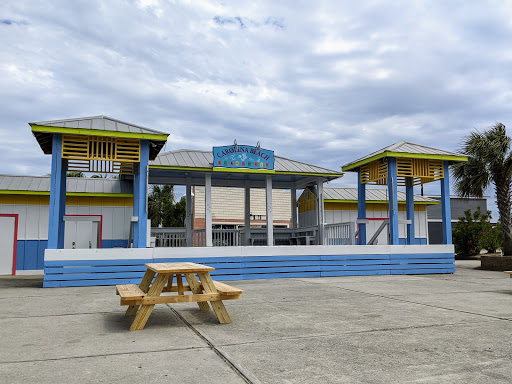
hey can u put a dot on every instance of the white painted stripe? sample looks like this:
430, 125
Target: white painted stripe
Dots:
29, 272
205, 252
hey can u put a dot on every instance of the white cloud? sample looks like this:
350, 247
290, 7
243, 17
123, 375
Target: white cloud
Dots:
321, 82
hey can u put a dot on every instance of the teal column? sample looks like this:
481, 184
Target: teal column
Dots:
140, 197
57, 208
393, 202
409, 207
361, 207
445, 205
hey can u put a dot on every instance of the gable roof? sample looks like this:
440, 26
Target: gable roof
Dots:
96, 126
409, 150
372, 195
203, 160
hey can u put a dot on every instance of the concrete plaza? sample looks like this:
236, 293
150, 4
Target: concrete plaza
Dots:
365, 329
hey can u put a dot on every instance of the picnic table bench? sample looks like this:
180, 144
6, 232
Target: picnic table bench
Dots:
509, 272
142, 298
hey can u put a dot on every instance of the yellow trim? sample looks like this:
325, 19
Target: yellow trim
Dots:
97, 201
97, 132
403, 154
198, 169
244, 170
381, 207
380, 202
47, 193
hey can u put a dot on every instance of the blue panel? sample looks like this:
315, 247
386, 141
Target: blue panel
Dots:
445, 205
354, 273
422, 271
114, 243
355, 267
41, 247
31, 254
356, 262
361, 207
393, 201
110, 272
20, 254
140, 184
57, 204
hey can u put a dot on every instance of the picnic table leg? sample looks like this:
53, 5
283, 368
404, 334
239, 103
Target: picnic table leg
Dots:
144, 286
196, 288
218, 306
142, 316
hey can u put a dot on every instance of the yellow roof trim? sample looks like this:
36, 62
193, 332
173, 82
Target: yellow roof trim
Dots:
97, 132
406, 155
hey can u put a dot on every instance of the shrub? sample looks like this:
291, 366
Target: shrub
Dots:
470, 230
491, 238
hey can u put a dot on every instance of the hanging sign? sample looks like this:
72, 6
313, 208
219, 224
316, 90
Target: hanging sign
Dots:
243, 156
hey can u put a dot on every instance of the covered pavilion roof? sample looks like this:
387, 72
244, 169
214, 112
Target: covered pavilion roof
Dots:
174, 167
409, 150
97, 126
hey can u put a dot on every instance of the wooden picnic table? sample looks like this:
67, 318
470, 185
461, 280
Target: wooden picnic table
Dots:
159, 277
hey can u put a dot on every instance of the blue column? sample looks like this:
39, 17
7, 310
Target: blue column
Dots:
140, 185
361, 207
409, 207
393, 202
445, 205
57, 195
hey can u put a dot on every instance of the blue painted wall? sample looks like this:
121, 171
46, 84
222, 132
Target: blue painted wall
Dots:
30, 253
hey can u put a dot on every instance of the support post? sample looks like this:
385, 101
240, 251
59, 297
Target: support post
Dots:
189, 214
409, 208
293, 192
57, 208
270, 218
320, 210
361, 208
445, 205
140, 197
208, 208
393, 202
247, 213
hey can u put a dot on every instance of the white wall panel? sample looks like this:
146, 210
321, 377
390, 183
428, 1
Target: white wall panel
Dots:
21, 210
108, 222
44, 212
32, 223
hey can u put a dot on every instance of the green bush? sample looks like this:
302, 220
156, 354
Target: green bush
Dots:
472, 231
491, 238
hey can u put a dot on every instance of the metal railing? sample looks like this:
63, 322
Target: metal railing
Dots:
340, 233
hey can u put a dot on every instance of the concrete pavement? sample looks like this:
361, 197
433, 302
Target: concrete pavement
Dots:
364, 329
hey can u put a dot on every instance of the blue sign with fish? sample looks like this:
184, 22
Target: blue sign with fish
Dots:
243, 156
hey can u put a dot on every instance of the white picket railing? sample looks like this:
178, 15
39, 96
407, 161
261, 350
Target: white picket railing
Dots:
340, 233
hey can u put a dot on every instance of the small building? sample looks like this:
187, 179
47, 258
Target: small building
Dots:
341, 207
98, 213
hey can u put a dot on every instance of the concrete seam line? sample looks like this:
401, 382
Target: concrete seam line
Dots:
99, 355
427, 305
238, 370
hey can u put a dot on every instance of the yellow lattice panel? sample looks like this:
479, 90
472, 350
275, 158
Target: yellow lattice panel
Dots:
79, 147
422, 171
375, 172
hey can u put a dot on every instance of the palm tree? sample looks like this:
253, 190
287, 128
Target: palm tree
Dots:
160, 200
490, 162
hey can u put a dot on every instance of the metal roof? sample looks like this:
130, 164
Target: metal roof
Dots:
41, 184
204, 159
350, 194
96, 125
404, 147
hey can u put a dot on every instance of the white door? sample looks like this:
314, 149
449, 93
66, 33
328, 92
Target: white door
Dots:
81, 234
7, 229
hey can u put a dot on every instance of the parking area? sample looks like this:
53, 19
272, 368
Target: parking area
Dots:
364, 329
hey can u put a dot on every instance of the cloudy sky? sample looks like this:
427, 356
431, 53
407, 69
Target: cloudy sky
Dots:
323, 82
